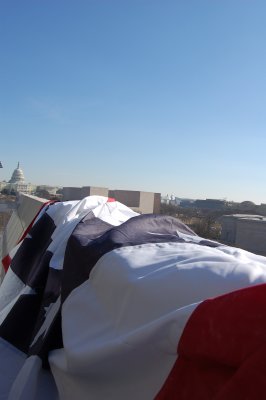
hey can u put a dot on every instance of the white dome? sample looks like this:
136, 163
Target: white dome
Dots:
17, 176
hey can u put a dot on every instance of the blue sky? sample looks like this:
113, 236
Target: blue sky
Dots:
165, 96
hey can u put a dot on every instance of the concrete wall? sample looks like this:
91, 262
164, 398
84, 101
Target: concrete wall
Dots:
245, 231
146, 203
78, 193
130, 198
93, 191
262, 209
142, 202
71, 193
228, 234
27, 207
157, 203
251, 235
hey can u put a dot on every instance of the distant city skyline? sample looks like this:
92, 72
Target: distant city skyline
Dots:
164, 195
161, 96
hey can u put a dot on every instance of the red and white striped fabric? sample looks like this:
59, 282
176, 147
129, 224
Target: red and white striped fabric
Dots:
10, 253
126, 306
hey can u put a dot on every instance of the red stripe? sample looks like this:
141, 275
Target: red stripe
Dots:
222, 352
110, 200
6, 261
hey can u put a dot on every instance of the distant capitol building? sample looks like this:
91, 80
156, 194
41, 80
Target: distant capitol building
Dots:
17, 182
17, 176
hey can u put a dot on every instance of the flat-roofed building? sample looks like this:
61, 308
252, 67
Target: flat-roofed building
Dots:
78, 193
246, 231
139, 201
142, 202
211, 204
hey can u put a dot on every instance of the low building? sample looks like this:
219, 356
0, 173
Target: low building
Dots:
141, 202
210, 204
187, 203
262, 208
246, 231
78, 193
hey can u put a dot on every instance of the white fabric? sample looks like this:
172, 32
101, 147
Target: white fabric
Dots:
33, 382
11, 362
114, 213
122, 326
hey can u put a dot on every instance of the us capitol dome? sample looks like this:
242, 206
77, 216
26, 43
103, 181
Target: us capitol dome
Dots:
17, 176
17, 182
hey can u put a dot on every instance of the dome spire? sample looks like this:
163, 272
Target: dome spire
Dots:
17, 176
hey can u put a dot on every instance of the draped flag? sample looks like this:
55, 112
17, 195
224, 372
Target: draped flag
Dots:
102, 303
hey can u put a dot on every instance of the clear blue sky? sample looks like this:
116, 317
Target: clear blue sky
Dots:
166, 96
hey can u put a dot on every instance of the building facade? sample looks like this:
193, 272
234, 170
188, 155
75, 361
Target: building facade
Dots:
17, 182
245, 231
139, 201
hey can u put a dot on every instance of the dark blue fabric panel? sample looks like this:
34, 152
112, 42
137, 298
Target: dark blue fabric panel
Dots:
82, 255
31, 259
18, 326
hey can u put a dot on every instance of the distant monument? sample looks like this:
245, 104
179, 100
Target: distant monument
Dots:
17, 176
17, 182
